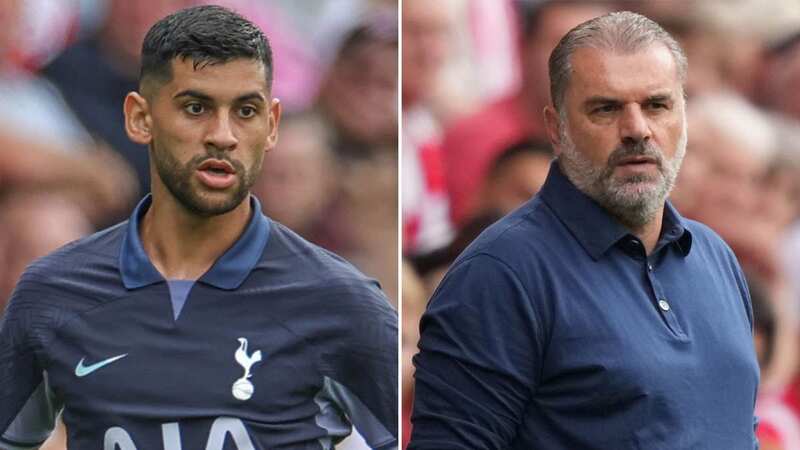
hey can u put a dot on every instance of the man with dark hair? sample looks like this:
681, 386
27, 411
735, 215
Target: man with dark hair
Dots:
358, 95
595, 316
199, 322
515, 175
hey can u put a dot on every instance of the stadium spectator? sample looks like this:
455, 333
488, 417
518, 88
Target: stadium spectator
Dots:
723, 53
732, 142
42, 145
367, 191
781, 76
426, 214
515, 175
470, 143
358, 106
358, 95
299, 176
96, 73
782, 180
779, 426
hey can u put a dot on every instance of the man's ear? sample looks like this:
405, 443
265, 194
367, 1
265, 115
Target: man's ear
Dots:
138, 122
552, 123
274, 120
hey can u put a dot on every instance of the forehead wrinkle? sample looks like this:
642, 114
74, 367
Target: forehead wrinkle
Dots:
599, 72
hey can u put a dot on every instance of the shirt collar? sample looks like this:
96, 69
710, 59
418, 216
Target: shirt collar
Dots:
228, 272
593, 227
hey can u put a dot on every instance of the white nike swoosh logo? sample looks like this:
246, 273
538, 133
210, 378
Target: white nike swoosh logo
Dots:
82, 371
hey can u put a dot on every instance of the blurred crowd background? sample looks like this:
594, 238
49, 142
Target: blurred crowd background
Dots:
67, 167
474, 82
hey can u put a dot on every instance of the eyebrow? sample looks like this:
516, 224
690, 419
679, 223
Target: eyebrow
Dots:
659, 98
199, 95
600, 100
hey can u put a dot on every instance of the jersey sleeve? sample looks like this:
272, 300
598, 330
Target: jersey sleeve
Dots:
361, 378
479, 360
28, 408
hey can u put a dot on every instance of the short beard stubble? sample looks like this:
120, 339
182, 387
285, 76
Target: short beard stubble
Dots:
178, 178
633, 200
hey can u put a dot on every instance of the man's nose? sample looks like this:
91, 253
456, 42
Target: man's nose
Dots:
221, 134
633, 125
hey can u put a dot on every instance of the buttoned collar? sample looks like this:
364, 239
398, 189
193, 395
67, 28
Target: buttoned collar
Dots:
228, 272
594, 228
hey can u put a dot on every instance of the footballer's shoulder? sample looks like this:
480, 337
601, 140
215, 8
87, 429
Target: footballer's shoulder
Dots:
289, 251
293, 259
63, 284
78, 263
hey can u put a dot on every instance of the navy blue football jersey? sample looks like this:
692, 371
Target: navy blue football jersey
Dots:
280, 345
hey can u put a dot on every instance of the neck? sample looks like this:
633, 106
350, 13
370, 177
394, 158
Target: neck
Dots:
650, 232
183, 245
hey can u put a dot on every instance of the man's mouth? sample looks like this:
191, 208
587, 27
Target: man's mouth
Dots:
216, 174
217, 166
637, 160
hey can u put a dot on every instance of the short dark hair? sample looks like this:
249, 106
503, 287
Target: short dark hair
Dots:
205, 34
524, 147
379, 26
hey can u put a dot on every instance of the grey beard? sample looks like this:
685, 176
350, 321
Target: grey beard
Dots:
629, 200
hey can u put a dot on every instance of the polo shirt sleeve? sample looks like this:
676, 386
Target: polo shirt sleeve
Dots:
479, 360
747, 304
741, 282
744, 290
28, 408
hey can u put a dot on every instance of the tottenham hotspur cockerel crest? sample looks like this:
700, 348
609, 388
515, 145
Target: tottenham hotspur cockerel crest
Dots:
243, 388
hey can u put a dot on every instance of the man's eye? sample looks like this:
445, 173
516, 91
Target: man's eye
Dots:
605, 109
247, 112
657, 105
194, 109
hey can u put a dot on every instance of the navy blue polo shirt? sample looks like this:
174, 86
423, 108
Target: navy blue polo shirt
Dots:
281, 344
555, 330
